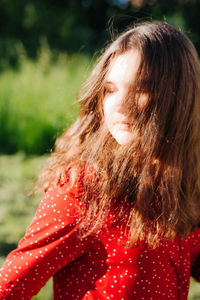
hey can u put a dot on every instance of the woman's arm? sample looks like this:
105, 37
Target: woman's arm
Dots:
51, 242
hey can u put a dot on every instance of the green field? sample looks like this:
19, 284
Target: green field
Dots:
36, 100
17, 173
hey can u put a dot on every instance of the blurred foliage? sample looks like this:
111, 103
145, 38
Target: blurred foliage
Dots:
36, 101
17, 177
82, 25
45, 55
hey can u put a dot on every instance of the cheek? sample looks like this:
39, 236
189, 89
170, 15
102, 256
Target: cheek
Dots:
108, 109
142, 102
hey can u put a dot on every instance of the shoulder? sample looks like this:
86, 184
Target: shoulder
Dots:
77, 176
62, 200
191, 243
194, 238
72, 179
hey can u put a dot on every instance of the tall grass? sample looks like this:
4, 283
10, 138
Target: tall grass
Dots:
36, 100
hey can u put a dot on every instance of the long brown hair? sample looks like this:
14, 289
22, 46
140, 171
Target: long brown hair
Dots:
152, 185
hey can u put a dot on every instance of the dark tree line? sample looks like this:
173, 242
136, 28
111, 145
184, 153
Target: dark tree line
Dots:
83, 25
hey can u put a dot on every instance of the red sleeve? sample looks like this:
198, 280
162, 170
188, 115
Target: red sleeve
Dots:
51, 242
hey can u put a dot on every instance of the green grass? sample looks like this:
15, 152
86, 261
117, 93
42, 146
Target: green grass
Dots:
194, 292
17, 173
17, 177
36, 100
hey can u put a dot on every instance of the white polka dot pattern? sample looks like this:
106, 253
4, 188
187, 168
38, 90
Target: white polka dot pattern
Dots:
96, 267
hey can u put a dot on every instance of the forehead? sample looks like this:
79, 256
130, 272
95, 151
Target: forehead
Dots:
124, 67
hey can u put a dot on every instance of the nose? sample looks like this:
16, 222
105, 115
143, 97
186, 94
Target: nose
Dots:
123, 104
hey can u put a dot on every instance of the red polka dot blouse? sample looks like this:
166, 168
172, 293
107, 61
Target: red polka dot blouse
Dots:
96, 267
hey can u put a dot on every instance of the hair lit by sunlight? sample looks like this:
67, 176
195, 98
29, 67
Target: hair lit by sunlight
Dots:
153, 182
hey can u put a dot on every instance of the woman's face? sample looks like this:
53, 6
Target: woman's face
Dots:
120, 77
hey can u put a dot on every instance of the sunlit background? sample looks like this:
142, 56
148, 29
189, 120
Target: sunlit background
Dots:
47, 50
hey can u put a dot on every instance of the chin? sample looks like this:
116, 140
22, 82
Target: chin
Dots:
123, 138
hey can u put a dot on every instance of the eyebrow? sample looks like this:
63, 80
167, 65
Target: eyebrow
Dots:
108, 82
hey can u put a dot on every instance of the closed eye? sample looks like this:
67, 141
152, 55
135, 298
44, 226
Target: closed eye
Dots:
109, 88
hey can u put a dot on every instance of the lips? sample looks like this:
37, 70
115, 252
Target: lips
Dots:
123, 125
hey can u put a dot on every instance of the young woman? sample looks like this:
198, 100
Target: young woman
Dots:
120, 216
